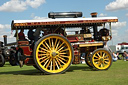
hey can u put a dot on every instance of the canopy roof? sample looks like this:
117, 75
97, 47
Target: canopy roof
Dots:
62, 22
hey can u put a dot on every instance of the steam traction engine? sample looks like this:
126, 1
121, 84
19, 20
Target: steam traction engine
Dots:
57, 49
7, 54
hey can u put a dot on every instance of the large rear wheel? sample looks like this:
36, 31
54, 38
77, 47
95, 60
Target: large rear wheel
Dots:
101, 59
53, 54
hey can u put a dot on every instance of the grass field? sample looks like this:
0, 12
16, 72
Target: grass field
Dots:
79, 74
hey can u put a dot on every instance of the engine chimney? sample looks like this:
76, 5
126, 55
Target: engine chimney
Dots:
94, 14
5, 40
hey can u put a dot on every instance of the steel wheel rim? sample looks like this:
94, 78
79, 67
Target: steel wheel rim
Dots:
88, 59
101, 59
54, 54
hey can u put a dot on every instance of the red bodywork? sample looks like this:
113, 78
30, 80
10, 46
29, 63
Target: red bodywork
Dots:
27, 51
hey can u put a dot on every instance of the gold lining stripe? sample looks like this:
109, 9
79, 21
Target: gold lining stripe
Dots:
91, 44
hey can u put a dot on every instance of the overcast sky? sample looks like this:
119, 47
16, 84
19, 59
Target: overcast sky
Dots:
38, 9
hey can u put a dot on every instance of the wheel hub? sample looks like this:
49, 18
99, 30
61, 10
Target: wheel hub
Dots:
53, 54
102, 59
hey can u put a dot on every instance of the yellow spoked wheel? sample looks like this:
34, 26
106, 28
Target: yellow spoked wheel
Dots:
101, 59
88, 58
53, 54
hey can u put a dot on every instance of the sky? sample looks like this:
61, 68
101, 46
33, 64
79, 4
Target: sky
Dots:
39, 9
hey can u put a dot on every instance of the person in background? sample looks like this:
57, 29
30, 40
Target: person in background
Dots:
114, 57
30, 34
21, 35
126, 56
37, 34
118, 56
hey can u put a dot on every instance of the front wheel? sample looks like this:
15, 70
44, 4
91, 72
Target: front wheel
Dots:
101, 59
2, 60
53, 54
12, 59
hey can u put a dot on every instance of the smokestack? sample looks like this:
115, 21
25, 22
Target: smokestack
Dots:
94, 14
5, 40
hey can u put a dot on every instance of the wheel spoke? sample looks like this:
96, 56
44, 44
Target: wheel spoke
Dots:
43, 54
103, 54
96, 59
101, 65
53, 64
61, 48
61, 61
64, 50
44, 49
57, 44
48, 63
49, 42
106, 62
64, 56
62, 53
47, 45
42, 57
106, 59
57, 64
52, 44
98, 55
44, 60
60, 45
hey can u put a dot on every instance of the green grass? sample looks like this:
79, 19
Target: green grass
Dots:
79, 74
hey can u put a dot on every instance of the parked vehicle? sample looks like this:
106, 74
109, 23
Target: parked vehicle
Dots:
2, 60
56, 50
123, 48
7, 55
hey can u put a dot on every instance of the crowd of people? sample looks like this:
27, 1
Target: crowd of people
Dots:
115, 56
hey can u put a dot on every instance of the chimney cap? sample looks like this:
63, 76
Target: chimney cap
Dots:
4, 35
94, 13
